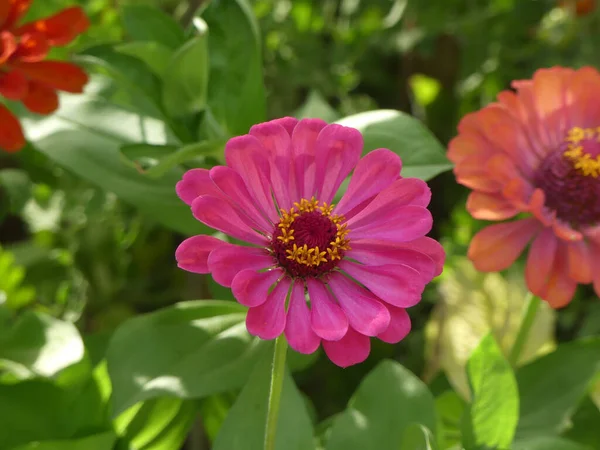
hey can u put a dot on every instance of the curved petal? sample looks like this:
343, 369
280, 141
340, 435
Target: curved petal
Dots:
484, 206
59, 75
304, 140
560, 288
580, 262
397, 285
218, 214
195, 183
352, 349
288, 123
226, 261
373, 173
40, 98
366, 314
8, 46
61, 28
32, 47
267, 321
327, 318
13, 85
399, 326
298, 329
496, 247
251, 288
338, 150
429, 247
246, 155
11, 134
192, 254
231, 184
540, 261
403, 224
17, 9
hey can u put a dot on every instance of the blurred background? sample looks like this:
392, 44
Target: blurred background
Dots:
80, 254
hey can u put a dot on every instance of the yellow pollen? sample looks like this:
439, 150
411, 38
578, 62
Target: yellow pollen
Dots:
587, 165
313, 257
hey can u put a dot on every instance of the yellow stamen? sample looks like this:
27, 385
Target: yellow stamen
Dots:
587, 165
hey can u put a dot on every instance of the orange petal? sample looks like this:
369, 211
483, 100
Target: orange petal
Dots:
11, 134
59, 75
40, 98
519, 192
8, 45
490, 206
560, 288
496, 247
18, 9
565, 232
538, 209
580, 262
61, 28
585, 92
32, 47
13, 85
540, 261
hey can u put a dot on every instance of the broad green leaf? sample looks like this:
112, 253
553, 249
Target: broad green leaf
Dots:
144, 156
551, 387
236, 94
101, 441
148, 23
418, 437
85, 136
39, 410
12, 294
474, 304
584, 424
39, 345
494, 412
190, 350
214, 411
316, 106
186, 81
17, 187
156, 56
547, 443
422, 154
244, 427
175, 433
387, 401
185, 154
450, 407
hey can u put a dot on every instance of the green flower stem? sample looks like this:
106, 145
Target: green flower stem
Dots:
277, 374
531, 308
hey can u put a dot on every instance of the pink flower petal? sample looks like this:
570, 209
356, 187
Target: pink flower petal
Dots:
232, 185
352, 349
298, 329
218, 214
246, 155
399, 326
496, 247
540, 261
277, 141
429, 247
251, 288
304, 140
267, 321
560, 288
192, 254
580, 262
397, 285
373, 173
403, 224
289, 123
226, 261
403, 192
366, 314
195, 183
327, 318
378, 253
338, 150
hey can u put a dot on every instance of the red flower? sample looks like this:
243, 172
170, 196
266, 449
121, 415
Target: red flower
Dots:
579, 7
24, 75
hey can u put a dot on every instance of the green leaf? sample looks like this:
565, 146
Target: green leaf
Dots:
547, 443
175, 433
552, 386
148, 23
156, 56
186, 81
18, 187
494, 412
450, 408
12, 293
236, 93
85, 137
101, 441
583, 429
244, 426
39, 345
190, 350
315, 106
418, 437
387, 401
422, 154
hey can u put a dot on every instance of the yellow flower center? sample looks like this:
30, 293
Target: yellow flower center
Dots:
584, 161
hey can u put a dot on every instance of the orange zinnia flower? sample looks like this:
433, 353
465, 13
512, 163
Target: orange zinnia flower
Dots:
537, 151
24, 75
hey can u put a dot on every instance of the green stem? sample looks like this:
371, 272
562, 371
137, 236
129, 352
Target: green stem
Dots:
277, 374
531, 308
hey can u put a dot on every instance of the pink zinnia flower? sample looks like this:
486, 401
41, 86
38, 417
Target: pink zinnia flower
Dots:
535, 155
360, 263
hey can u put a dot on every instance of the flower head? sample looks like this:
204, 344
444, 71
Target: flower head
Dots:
314, 270
535, 154
24, 75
